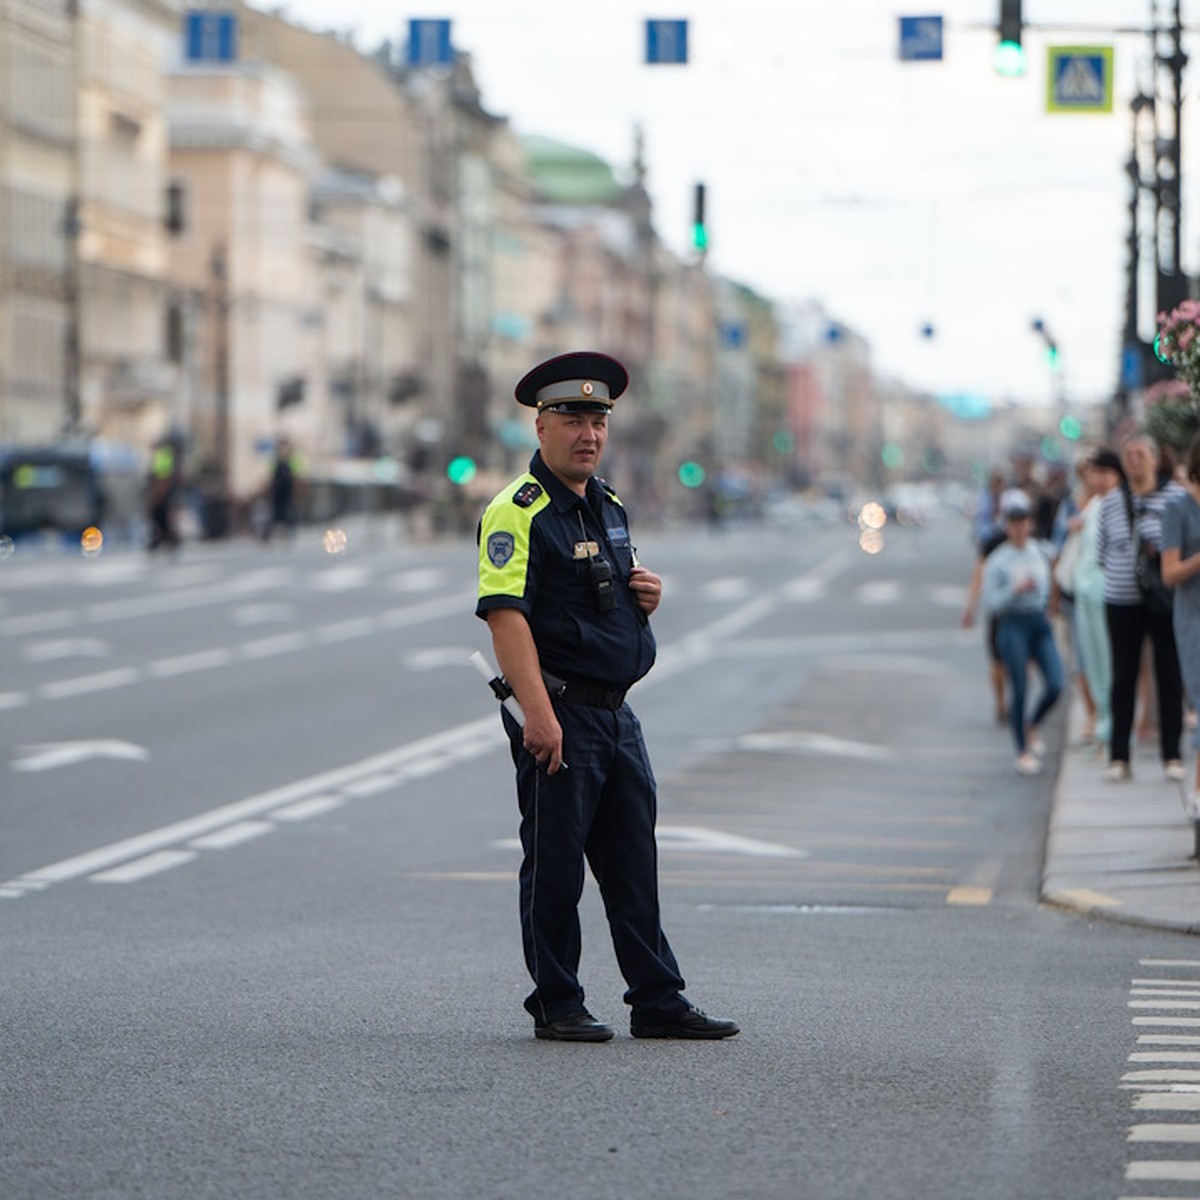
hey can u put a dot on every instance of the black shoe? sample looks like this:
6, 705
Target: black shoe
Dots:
690, 1024
578, 1026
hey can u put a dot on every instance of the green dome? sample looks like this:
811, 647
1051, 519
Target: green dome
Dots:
565, 174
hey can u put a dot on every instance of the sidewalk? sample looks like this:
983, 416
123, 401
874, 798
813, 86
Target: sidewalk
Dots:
1122, 850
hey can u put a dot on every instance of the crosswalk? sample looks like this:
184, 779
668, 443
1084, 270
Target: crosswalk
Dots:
1164, 1079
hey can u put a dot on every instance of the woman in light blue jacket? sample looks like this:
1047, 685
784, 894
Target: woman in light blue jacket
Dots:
1016, 588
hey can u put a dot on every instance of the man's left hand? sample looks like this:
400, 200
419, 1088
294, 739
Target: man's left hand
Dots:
646, 588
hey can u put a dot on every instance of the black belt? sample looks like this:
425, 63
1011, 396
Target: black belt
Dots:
582, 691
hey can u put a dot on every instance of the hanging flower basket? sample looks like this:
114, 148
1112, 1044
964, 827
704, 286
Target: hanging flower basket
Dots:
1173, 407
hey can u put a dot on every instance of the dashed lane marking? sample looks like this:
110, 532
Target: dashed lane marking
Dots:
969, 895
149, 853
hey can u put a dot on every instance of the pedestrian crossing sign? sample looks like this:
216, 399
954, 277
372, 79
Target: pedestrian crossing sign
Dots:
1079, 79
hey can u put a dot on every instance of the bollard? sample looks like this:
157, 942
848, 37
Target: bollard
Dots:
1195, 838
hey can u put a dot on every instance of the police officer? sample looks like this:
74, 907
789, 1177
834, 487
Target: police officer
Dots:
568, 609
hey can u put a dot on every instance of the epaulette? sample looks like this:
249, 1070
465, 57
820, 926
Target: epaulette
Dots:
526, 494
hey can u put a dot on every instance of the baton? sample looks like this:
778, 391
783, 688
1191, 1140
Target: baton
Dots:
502, 691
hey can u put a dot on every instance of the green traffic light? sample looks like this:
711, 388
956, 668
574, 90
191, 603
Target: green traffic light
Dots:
1071, 428
1052, 357
1009, 60
691, 474
699, 237
461, 470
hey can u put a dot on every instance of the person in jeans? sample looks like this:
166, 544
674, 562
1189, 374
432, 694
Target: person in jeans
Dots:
1016, 589
1131, 519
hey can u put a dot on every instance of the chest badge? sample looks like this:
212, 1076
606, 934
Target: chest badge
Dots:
586, 549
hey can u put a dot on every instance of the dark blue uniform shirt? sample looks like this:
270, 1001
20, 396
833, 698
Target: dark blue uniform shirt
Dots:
535, 542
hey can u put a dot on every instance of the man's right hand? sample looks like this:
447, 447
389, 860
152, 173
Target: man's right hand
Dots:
543, 739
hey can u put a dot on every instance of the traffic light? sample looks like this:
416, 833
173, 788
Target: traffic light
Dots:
461, 470
1009, 55
699, 228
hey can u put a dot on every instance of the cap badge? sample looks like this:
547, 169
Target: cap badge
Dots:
588, 388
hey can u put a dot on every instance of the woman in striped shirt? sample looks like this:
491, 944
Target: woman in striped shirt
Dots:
1138, 507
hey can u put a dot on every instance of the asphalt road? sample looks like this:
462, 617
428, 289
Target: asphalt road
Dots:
258, 899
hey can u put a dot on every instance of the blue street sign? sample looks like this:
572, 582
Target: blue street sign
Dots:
666, 41
1079, 79
1132, 371
210, 36
921, 39
429, 44
733, 335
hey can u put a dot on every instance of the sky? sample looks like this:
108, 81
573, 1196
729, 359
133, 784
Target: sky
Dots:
896, 194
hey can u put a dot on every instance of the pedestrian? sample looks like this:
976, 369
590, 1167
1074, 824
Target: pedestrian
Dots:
281, 491
162, 493
1181, 570
993, 538
1131, 525
568, 607
986, 523
1103, 473
1016, 588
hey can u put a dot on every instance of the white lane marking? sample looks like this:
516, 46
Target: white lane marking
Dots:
261, 614
1167, 1039
231, 835
185, 664
13, 700
1164, 1133
436, 657
947, 596
1166, 982
712, 841
304, 810
1159, 991
46, 756
880, 591
283, 643
344, 631
1175, 1169
141, 868
60, 648
470, 740
340, 579
1167, 1101
1169, 962
83, 685
803, 589
733, 587
1165, 1056
414, 614
374, 784
1164, 1004
692, 839
799, 742
165, 602
420, 579
37, 622
1174, 1022
1161, 1077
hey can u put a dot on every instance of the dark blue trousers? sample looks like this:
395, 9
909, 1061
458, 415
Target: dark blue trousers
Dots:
601, 809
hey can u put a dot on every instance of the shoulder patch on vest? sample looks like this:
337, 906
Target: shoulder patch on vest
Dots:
526, 494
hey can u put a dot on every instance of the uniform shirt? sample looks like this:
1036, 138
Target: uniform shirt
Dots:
1006, 567
1114, 539
535, 541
